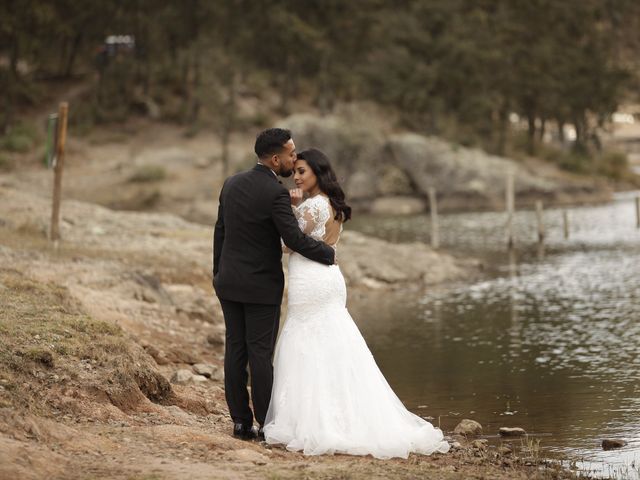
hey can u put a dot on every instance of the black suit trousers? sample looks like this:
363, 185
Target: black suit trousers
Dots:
250, 338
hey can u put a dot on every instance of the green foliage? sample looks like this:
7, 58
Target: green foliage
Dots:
611, 164
17, 143
6, 164
21, 138
614, 165
455, 68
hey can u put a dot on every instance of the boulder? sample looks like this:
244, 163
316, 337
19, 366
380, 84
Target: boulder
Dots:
468, 428
511, 432
395, 263
612, 444
182, 377
158, 356
480, 444
372, 163
204, 369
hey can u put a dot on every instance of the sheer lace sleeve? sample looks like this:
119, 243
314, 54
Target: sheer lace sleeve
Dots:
312, 215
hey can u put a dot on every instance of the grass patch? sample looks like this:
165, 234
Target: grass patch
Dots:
21, 138
47, 337
6, 164
148, 173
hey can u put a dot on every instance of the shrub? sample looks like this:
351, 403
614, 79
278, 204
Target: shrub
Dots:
21, 138
6, 164
148, 173
613, 165
17, 142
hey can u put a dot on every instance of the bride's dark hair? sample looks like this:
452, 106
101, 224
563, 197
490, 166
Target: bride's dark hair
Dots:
327, 181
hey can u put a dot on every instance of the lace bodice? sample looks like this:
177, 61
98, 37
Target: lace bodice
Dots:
315, 218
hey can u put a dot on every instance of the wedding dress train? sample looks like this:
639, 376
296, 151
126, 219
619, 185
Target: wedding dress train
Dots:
329, 395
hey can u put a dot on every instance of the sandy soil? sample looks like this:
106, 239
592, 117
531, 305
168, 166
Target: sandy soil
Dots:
93, 330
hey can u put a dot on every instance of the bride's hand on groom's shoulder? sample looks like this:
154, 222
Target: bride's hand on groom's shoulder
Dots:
296, 196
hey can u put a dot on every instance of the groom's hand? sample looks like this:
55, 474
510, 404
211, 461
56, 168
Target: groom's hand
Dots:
296, 196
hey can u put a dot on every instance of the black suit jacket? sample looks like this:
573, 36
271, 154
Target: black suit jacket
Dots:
254, 213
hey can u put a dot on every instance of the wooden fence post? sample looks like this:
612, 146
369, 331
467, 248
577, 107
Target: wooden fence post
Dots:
565, 223
433, 208
539, 212
57, 172
638, 212
510, 194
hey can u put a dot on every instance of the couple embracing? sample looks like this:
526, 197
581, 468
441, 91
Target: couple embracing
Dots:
323, 393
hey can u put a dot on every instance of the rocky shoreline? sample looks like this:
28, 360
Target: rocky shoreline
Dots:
112, 348
384, 171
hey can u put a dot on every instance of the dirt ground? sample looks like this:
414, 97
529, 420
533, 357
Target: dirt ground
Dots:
92, 331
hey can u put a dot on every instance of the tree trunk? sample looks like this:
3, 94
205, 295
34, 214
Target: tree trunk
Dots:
15, 55
531, 133
561, 136
543, 125
73, 53
194, 110
580, 123
503, 128
10, 88
323, 99
228, 119
286, 86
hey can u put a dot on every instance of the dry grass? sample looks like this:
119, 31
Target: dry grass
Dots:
48, 344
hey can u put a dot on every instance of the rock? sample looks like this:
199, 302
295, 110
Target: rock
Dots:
468, 428
205, 369
216, 339
372, 162
611, 444
246, 455
199, 378
182, 377
480, 444
511, 432
456, 445
459, 172
150, 289
393, 181
218, 376
157, 355
180, 355
395, 263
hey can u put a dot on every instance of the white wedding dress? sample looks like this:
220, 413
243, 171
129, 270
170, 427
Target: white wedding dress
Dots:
329, 395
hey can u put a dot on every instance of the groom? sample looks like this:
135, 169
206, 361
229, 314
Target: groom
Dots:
254, 213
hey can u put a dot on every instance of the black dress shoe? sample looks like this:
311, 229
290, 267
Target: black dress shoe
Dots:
243, 432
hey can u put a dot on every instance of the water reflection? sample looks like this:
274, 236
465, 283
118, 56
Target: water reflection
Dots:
551, 343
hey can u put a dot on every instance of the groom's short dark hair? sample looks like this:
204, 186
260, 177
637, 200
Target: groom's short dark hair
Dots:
270, 141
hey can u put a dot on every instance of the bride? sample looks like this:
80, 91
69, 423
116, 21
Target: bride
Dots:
329, 395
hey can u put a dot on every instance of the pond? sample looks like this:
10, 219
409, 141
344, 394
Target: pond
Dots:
547, 341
